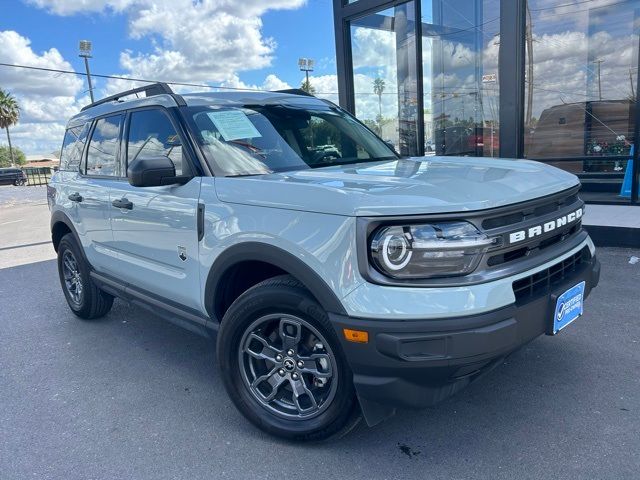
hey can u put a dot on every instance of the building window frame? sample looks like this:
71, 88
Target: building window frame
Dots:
511, 72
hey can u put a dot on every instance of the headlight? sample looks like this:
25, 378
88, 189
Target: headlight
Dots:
444, 249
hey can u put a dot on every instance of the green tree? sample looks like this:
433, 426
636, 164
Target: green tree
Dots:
9, 116
19, 158
308, 87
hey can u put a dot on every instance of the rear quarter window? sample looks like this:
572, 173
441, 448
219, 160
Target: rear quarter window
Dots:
72, 147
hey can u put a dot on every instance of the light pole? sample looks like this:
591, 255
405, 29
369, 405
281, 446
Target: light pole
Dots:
598, 62
306, 65
85, 52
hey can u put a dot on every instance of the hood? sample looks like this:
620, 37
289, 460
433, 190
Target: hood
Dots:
400, 187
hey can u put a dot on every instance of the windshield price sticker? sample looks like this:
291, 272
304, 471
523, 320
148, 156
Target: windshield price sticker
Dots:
233, 125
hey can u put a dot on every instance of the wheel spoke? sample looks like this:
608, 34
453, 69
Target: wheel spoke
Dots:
266, 352
318, 365
300, 392
69, 265
274, 379
290, 332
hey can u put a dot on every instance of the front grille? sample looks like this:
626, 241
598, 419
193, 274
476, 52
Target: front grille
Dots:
542, 283
538, 245
524, 217
529, 213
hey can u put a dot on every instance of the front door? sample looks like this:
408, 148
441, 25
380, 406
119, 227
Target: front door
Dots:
155, 228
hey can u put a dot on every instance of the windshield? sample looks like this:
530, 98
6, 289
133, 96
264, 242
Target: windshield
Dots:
255, 140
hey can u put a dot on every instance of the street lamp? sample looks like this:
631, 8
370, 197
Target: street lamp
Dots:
85, 52
306, 65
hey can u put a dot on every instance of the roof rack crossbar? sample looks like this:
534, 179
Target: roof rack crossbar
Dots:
149, 90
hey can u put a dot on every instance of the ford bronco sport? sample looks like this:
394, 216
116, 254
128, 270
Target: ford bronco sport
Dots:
339, 279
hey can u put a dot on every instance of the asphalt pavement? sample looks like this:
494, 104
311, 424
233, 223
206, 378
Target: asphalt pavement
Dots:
131, 396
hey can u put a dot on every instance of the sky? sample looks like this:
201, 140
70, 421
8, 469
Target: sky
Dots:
249, 43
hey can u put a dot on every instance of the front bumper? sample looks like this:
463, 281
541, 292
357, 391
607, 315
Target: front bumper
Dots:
416, 363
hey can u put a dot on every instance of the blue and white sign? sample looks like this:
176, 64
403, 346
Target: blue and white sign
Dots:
568, 307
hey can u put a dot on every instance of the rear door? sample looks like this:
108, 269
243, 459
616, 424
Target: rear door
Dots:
86, 190
156, 236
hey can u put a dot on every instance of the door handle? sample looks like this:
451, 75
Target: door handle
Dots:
75, 197
123, 203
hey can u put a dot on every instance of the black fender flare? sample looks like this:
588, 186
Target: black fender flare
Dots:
264, 252
60, 217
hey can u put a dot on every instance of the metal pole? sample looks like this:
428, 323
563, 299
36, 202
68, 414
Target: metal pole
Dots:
86, 65
511, 72
599, 62
307, 74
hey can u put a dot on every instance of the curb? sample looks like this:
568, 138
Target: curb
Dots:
606, 236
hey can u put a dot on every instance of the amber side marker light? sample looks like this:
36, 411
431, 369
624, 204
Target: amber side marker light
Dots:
356, 336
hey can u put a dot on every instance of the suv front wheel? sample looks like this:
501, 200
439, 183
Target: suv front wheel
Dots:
85, 299
282, 364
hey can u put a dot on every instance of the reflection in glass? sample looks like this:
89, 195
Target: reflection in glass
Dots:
101, 153
151, 134
385, 75
460, 45
580, 87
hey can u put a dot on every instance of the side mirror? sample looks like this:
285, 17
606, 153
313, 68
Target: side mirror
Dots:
153, 172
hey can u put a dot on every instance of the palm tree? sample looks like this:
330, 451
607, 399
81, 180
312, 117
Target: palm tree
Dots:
378, 88
9, 115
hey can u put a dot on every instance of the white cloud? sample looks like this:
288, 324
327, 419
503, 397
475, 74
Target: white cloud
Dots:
46, 99
16, 49
194, 41
271, 82
38, 138
564, 71
206, 41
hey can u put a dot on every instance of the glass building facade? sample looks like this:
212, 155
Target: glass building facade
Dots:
548, 80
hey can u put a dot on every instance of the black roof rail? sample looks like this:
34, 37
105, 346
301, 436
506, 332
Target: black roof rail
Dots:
294, 91
149, 90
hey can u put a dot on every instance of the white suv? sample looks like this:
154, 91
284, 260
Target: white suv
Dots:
341, 279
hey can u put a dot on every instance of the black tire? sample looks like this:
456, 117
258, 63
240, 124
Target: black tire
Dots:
278, 297
91, 302
19, 183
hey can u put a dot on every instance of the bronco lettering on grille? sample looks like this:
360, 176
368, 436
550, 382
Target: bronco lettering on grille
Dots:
537, 230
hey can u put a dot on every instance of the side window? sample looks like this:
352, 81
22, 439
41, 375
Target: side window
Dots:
72, 147
151, 134
103, 147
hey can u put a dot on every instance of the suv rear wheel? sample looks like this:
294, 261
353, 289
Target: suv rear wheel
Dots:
282, 364
85, 299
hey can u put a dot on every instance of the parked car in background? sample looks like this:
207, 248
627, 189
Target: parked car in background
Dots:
12, 176
339, 279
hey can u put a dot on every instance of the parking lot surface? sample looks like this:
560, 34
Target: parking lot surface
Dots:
133, 397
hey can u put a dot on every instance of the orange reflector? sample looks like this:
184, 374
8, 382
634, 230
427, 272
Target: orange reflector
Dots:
357, 336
